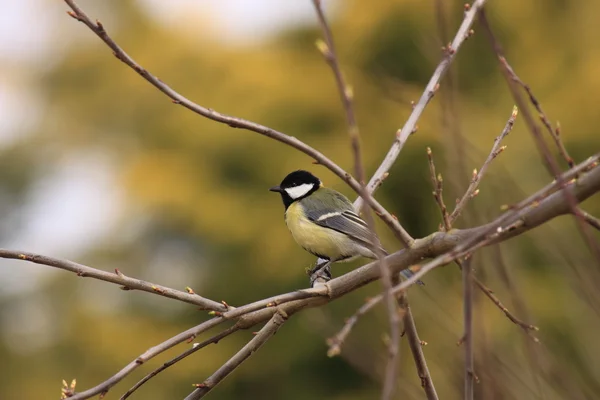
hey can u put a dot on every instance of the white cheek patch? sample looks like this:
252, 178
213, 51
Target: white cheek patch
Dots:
299, 191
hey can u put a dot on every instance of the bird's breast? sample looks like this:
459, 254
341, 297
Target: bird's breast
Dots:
320, 241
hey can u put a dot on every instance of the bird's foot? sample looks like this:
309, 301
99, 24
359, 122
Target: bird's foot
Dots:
321, 273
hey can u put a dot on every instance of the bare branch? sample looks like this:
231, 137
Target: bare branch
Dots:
253, 345
554, 133
416, 348
527, 328
327, 48
549, 161
195, 347
187, 335
496, 149
512, 223
467, 274
337, 341
464, 32
117, 277
391, 369
235, 122
437, 183
590, 219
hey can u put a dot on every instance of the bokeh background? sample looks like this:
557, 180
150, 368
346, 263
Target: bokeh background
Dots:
99, 167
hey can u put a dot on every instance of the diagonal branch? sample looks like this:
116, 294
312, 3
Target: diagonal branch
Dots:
416, 348
117, 277
590, 219
195, 347
496, 150
554, 133
527, 328
235, 122
187, 335
327, 48
467, 275
437, 183
525, 216
549, 162
463, 33
253, 345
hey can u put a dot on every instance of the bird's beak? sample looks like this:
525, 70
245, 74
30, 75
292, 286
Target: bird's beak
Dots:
276, 189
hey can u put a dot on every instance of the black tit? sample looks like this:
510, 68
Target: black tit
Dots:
323, 221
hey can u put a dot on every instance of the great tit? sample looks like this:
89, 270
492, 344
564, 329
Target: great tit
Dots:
323, 221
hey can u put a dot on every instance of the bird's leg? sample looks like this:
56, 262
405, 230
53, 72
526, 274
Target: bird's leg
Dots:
321, 273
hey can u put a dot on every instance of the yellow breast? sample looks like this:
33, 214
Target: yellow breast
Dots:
315, 239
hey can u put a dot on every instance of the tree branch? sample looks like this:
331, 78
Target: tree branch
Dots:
187, 335
527, 328
549, 161
195, 347
515, 222
467, 275
464, 32
416, 348
117, 277
591, 220
496, 150
253, 345
437, 183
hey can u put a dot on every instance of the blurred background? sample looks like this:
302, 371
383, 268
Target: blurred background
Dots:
99, 167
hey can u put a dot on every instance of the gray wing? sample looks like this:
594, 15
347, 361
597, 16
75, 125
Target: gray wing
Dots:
342, 218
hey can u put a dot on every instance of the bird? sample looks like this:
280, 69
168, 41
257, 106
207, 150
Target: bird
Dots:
323, 221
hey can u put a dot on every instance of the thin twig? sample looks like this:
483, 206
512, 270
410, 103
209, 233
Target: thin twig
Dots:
505, 226
531, 349
195, 347
554, 132
117, 278
191, 333
416, 348
549, 161
235, 122
527, 328
472, 190
337, 341
391, 369
590, 219
253, 345
464, 32
536, 199
437, 183
453, 138
327, 48
467, 274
